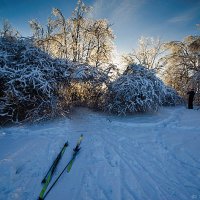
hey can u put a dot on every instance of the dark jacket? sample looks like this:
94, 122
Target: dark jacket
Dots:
190, 99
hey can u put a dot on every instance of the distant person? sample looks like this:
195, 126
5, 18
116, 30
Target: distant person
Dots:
191, 94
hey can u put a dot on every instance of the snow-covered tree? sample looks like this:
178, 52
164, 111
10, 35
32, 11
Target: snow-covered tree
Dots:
28, 80
103, 46
182, 63
38, 31
35, 86
8, 31
147, 54
78, 38
139, 90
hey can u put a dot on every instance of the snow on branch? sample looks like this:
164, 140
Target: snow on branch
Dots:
34, 86
139, 90
31, 80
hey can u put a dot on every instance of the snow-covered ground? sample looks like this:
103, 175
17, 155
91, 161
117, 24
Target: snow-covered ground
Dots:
144, 157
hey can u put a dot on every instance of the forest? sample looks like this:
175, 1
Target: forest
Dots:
68, 62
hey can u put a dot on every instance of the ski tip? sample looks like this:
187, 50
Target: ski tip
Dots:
66, 144
43, 181
77, 149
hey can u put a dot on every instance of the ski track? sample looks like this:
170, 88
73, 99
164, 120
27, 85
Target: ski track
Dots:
142, 157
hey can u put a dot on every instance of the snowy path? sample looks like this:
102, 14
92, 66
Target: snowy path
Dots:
142, 157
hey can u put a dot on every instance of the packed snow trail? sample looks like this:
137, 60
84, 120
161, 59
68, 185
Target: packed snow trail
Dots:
139, 157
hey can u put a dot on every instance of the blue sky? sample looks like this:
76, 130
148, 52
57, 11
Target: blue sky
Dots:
167, 19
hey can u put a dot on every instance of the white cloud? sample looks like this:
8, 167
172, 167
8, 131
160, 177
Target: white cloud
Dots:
185, 16
181, 18
116, 11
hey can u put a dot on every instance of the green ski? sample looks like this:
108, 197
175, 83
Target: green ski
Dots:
76, 150
51, 171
